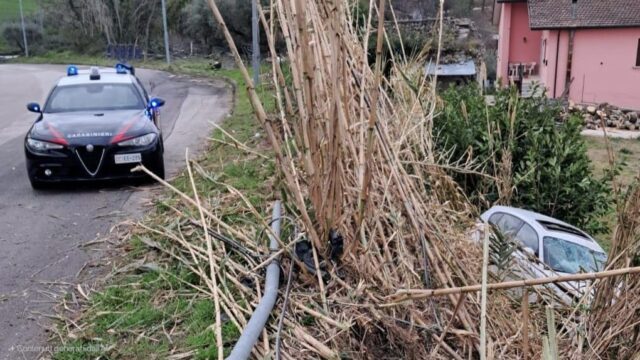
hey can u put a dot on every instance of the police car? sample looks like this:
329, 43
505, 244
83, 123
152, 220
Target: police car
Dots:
96, 124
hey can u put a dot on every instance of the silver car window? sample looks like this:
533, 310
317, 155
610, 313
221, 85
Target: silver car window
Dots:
509, 225
493, 220
528, 237
94, 97
569, 257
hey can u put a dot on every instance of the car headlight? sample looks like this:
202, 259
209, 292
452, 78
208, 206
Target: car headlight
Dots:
37, 145
143, 140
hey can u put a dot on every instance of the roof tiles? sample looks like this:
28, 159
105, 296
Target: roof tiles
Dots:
562, 14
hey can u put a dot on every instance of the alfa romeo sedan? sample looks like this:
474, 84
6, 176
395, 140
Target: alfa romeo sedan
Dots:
96, 124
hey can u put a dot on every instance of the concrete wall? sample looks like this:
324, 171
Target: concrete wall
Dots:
604, 67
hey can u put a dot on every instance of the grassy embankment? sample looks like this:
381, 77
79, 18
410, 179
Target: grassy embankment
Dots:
152, 311
10, 12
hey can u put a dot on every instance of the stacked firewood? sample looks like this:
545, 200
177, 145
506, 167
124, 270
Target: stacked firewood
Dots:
606, 115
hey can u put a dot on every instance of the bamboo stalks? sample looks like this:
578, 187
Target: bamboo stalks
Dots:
525, 324
483, 301
214, 281
402, 295
354, 147
366, 181
329, 71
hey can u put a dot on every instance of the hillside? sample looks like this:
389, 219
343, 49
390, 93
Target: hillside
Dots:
10, 11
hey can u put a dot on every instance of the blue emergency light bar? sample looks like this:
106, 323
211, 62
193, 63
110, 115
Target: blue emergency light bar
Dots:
125, 69
72, 70
94, 72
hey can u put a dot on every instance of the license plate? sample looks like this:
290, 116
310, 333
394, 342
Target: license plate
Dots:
128, 158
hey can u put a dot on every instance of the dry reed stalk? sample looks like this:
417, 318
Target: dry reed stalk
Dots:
525, 324
613, 324
210, 250
403, 295
191, 201
238, 144
483, 301
366, 180
355, 150
262, 117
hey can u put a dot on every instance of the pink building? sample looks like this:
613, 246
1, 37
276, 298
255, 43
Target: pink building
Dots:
585, 50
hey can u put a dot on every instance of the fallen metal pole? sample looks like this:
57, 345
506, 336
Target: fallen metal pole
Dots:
251, 333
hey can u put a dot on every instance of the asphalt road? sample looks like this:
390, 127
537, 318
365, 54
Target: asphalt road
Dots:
42, 233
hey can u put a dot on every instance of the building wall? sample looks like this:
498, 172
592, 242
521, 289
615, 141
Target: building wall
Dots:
524, 44
604, 67
517, 43
554, 58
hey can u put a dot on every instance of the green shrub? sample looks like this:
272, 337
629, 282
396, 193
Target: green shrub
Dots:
541, 163
12, 35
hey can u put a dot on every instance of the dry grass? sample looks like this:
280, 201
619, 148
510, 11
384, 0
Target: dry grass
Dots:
627, 152
627, 157
611, 329
355, 153
356, 156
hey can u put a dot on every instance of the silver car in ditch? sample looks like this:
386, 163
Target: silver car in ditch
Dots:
550, 247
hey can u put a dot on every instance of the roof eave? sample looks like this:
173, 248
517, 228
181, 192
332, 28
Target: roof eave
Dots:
582, 27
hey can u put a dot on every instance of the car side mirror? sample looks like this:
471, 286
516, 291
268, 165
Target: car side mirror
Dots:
155, 103
34, 107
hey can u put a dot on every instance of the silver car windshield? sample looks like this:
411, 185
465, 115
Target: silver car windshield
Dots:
94, 97
568, 257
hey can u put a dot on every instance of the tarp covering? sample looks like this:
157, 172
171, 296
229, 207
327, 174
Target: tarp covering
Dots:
465, 68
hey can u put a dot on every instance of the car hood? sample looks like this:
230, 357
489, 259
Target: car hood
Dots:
97, 128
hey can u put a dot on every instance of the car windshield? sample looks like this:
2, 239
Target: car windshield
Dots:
94, 97
569, 257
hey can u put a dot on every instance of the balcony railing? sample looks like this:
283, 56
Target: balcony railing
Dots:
521, 71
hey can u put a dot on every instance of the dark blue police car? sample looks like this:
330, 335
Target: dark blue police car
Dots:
96, 124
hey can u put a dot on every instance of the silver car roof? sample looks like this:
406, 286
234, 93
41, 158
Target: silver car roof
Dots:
534, 220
